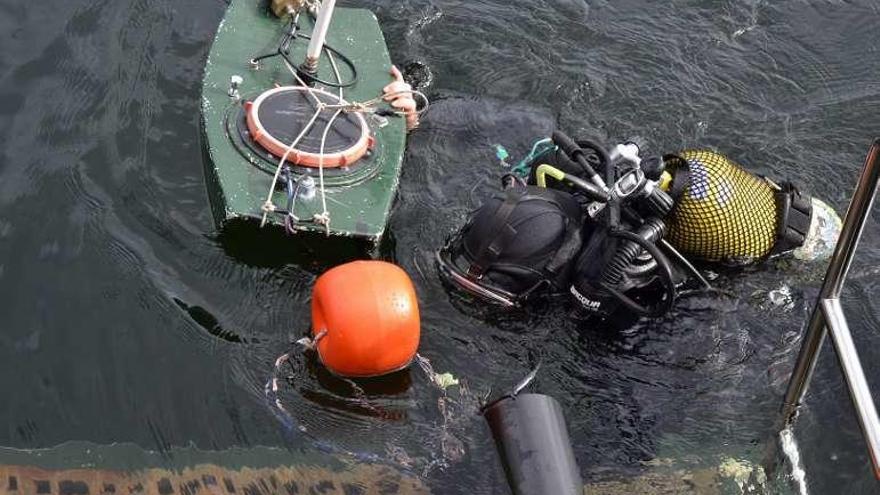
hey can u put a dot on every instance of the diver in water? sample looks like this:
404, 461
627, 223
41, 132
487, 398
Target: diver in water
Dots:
617, 231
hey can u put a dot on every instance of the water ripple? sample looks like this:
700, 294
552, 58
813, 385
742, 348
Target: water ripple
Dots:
119, 295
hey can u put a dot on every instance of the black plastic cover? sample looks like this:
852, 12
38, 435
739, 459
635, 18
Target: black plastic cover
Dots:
533, 442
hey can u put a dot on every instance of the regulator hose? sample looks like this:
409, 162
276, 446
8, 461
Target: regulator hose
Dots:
576, 153
645, 239
651, 231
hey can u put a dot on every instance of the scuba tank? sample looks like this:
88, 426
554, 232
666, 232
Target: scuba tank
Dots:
726, 214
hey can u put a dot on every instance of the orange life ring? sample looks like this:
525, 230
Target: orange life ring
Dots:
341, 158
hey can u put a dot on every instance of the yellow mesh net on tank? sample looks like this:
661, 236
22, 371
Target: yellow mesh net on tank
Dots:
725, 213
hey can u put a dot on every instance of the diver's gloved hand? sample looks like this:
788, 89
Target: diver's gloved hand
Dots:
399, 94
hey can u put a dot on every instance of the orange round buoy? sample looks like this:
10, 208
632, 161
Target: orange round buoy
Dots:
365, 318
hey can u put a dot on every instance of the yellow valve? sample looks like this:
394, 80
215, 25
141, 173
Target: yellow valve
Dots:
544, 170
665, 181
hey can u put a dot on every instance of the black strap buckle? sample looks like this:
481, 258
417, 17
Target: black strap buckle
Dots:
475, 272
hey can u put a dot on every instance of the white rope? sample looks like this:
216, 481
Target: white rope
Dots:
268, 206
324, 216
272, 386
312, 343
367, 106
301, 82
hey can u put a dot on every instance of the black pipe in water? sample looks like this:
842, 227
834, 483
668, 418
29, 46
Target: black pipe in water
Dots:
534, 445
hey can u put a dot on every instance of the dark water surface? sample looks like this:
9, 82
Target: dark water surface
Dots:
125, 317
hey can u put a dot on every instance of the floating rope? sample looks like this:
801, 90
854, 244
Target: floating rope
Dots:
324, 217
273, 398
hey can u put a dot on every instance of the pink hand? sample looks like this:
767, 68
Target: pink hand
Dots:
399, 94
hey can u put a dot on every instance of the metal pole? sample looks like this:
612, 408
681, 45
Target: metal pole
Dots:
855, 378
854, 222
319, 33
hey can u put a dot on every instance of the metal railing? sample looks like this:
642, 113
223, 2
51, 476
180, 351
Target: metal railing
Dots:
828, 317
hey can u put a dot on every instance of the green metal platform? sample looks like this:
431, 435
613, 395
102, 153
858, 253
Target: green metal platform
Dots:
238, 178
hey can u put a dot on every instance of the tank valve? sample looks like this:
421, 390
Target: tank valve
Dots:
234, 83
307, 187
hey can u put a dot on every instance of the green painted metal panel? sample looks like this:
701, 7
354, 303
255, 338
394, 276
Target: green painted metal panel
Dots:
236, 187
